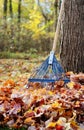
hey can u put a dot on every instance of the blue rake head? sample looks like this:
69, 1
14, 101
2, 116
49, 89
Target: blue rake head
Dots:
49, 71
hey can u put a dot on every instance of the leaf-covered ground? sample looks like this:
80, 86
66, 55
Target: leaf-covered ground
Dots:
11, 68
37, 107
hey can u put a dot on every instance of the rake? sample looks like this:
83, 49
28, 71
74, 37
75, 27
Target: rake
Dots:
50, 70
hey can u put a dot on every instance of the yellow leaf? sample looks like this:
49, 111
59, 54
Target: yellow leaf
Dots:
50, 93
29, 121
70, 85
55, 105
51, 125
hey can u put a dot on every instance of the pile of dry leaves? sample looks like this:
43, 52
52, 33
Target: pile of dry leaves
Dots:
43, 108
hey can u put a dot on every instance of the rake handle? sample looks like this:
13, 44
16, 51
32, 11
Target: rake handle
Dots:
58, 27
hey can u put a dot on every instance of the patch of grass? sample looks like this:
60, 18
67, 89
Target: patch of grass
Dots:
17, 55
7, 128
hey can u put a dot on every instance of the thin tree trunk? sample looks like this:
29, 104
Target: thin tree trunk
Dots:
72, 36
19, 11
10, 8
5, 9
5, 14
19, 22
11, 25
5, 23
42, 11
55, 12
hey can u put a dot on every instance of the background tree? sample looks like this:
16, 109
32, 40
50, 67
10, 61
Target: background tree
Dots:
43, 11
5, 9
10, 8
72, 36
19, 11
29, 25
55, 11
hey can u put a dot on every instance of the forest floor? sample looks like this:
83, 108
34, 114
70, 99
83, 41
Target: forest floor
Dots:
16, 68
14, 74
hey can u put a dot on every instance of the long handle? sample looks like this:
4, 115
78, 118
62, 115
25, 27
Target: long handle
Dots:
58, 27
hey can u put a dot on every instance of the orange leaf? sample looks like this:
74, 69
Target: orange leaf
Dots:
59, 127
9, 82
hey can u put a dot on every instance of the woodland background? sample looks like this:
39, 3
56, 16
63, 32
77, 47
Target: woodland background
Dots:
27, 26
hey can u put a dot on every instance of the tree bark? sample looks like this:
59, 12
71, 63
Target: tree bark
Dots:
72, 36
55, 12
19, 11
5, 9
10, 8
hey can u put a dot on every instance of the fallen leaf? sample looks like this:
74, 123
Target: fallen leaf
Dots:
51, 125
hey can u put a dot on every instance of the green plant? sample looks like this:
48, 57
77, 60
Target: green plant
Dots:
7, 128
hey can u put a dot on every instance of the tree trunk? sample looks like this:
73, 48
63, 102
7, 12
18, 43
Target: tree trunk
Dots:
5, 9
55, 12
19, 11
10, 8
11, 24
42, 11
72, 36
19, 24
